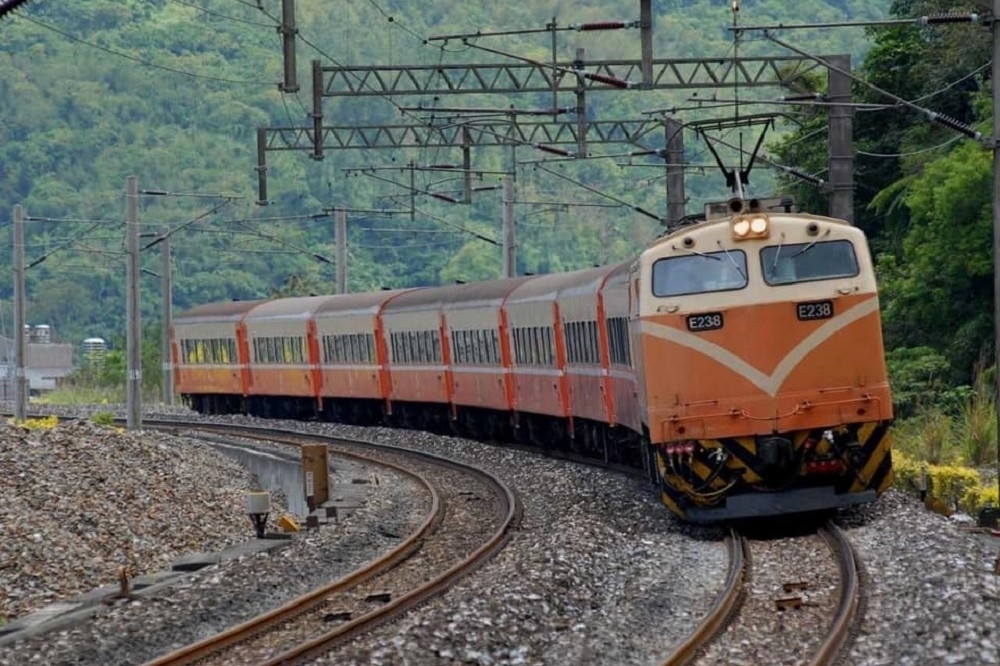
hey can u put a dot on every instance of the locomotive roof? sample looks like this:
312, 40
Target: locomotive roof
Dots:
222, 311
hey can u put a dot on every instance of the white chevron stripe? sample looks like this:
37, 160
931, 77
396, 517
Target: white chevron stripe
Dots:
770, 384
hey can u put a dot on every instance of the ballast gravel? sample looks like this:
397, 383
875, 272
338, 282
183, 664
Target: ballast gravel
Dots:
933, 597
597, 573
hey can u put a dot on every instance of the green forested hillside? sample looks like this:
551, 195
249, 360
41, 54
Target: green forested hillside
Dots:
173, 92
924, 194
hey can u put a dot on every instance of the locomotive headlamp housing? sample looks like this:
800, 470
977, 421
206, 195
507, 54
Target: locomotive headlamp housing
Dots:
751, 226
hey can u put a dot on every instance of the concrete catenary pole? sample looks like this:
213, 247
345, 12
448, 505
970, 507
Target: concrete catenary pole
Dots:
167, 317
340, 231
996, 219
20, 383
133, 420
509, 245
675, 171
288, 32
841, 140
646, 41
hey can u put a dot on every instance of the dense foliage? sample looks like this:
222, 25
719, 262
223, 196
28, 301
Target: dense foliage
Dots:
173, 92
924, 195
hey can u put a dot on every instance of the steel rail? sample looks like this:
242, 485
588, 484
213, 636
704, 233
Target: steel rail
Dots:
411, 599
850, 596
216, 644
725, 604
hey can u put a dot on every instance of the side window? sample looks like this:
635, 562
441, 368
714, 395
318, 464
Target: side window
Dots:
455, 351
494, 347
478, 352
618, 341
438, 347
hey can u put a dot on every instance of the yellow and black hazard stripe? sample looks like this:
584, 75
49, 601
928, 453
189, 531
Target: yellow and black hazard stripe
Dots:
699, 481
876, 452
670, 495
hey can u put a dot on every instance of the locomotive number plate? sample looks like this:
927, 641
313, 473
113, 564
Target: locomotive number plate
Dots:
710, 321
814, 310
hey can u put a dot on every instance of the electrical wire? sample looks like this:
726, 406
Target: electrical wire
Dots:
953, 83
939, 146
392, 19
144, 63
222, 16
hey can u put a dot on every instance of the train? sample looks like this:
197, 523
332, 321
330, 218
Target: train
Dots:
737, 362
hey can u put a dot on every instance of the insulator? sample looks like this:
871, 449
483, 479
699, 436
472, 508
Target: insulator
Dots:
442, 166
554, 151
610, 80
934, 19
601, 25
11, 5
955, 124
443, 197
803, 175
647, 213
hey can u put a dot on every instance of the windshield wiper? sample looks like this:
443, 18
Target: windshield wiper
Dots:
731, 260
809, 247
777, 253
700, 254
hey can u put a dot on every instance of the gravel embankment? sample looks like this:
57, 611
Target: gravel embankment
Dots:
80, 500
933, 598
597, 573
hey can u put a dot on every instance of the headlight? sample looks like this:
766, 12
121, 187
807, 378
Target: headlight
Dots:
750, 226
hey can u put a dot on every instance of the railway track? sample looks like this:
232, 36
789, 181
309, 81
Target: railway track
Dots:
783, 603
425, 563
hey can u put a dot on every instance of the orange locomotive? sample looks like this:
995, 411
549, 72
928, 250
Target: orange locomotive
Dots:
738, 361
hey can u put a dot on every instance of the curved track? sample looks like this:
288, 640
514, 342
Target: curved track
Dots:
439, 552
746, 618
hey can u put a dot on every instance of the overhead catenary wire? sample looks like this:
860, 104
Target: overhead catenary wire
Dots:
912, 153
933, 116
144, 63
638, 209
226, 17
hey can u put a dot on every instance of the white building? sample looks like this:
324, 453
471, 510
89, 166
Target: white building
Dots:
45, 363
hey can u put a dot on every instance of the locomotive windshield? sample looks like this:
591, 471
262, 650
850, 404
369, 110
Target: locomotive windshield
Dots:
805, 262
700, 273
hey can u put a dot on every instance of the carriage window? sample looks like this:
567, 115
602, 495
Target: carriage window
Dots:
494, 347
581, 342
618, 341
805, 262
700, 273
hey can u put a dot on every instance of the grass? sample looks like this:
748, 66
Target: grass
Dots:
86, 395
963, 441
